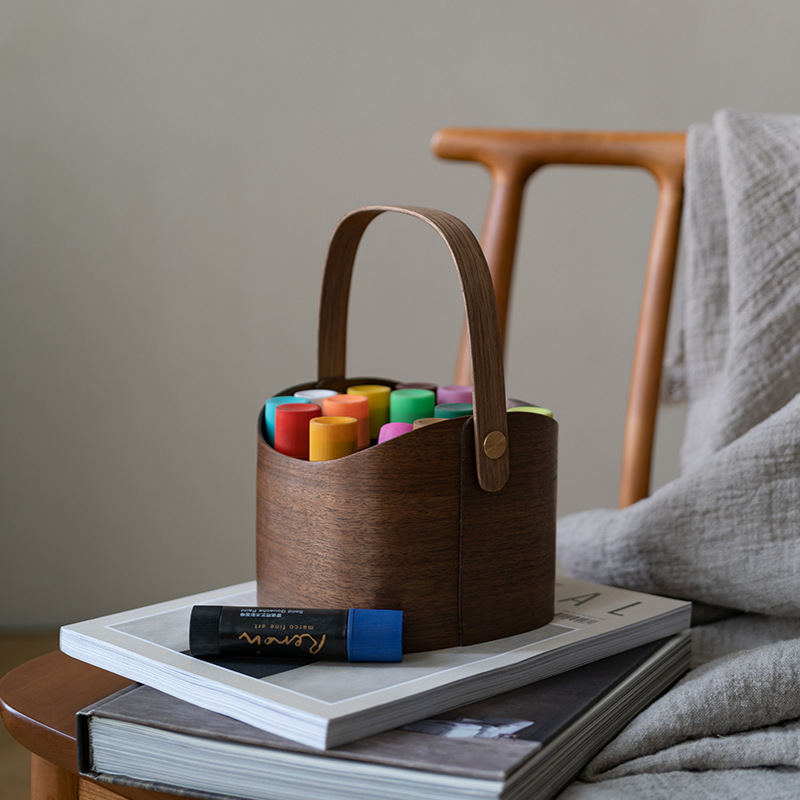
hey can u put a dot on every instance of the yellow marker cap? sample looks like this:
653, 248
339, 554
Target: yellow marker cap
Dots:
378, 399
332, 437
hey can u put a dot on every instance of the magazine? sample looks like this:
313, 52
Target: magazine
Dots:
323, 704
527, 742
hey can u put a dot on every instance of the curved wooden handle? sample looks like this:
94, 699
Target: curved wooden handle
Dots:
489, 412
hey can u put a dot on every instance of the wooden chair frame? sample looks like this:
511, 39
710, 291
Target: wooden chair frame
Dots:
512, 157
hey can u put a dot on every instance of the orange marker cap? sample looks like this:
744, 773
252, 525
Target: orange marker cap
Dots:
350, 405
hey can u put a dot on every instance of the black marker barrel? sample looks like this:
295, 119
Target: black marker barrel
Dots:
354, 634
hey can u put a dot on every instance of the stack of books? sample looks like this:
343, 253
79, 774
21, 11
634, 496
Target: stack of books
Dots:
510, 718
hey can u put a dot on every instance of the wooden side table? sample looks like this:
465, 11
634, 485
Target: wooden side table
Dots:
38, 703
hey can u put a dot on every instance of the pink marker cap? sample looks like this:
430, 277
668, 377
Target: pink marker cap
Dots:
392, 429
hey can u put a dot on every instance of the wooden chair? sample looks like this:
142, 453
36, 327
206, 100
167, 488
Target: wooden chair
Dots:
512, 157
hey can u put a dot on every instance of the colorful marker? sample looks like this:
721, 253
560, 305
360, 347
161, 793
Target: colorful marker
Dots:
315, 395
354, 634
350, 405
454, 394
392, 429
406, 405
452, 410
378, 399
332, 437
269, 413
292, 421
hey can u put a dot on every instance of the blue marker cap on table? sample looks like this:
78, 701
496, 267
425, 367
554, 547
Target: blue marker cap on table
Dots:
269, 413
374, 635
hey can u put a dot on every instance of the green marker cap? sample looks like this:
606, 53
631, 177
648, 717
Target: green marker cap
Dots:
406, 405
451, 410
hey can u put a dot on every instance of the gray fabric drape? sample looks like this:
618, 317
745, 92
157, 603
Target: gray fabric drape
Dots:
727, 531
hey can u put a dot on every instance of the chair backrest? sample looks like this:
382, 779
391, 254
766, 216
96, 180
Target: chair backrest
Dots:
512, 157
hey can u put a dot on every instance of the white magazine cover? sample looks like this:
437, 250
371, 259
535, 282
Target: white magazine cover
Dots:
324, 704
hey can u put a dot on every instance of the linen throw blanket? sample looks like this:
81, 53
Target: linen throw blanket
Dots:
727, 531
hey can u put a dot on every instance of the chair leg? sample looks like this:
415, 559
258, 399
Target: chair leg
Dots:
499, 241
49, 782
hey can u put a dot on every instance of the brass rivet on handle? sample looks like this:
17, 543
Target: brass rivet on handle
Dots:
494, 445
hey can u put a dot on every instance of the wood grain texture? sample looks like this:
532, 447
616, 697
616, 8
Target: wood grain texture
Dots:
50, 782
512, 157
507, 547
391, 526
377, 529
38, 703
406, 525
42, 695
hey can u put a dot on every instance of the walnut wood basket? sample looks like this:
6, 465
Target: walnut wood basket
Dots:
454, 523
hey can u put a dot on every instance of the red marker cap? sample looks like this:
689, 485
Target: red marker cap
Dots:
291, 428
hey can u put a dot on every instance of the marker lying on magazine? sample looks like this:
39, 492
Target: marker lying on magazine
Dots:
355, 634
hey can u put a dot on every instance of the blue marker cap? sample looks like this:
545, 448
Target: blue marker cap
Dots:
374, 635
269, 412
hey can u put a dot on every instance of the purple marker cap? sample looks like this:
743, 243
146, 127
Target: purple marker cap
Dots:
392, 429
454, 394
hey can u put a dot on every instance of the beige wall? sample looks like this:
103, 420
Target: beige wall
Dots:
170, 172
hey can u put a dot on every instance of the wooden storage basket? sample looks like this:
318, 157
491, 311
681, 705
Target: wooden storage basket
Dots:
454, 523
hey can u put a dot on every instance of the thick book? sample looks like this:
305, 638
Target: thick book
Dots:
324, 704
529, 742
